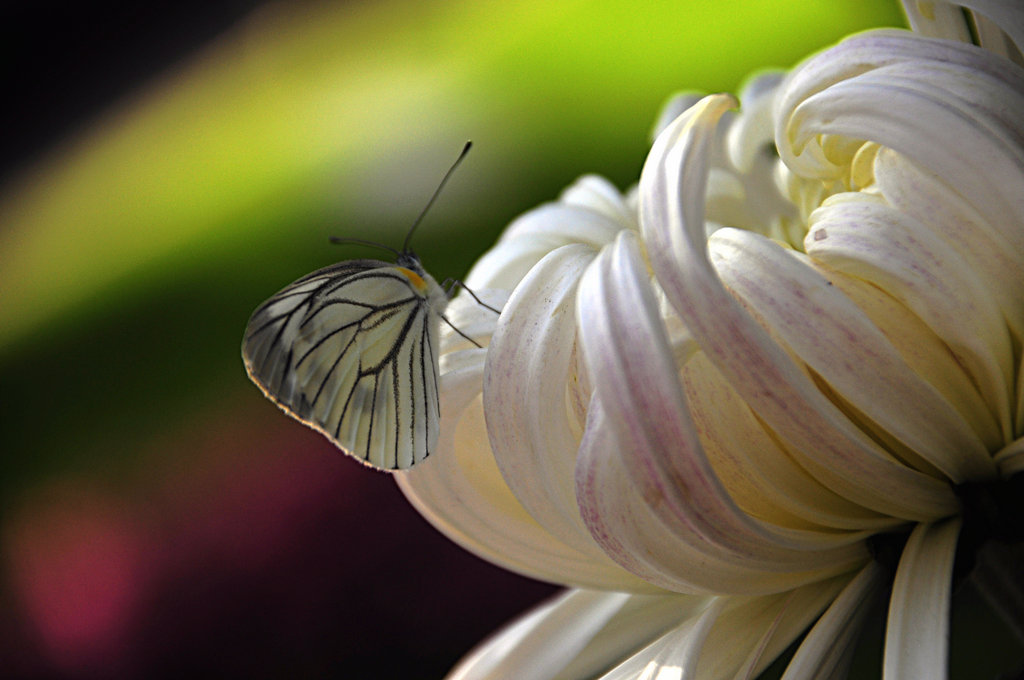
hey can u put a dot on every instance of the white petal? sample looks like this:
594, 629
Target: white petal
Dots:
827, 648
844, 459
839, 343
760, 475
633, 372
993, 255
917, 631
577, 635
675, 655
461, 492
905, 258
949, 107
528, 368
943, 19
737, 637
619, 514
541, 643
598, 194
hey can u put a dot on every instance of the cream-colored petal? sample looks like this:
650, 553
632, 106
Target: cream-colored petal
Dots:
736, 638
942, 19
917, 630
844, 459
759, 474
839, 343
1011, 458
528, 367
924, 352
632, 369
542, 643
993, 252
461, 492
619, 514
868, 239
675, 655
533, 235
950, 107
826, 650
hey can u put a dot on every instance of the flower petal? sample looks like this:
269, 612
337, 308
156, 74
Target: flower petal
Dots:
947, 106
647, 416
461, 491
826, 650
528, 368
736, 637
917, 631
825, 330
620, 517
590, 212
946, 19
832, 448
869, 239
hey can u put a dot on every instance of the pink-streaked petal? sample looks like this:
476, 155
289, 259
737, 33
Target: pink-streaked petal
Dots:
619, 515
762, 477
528, 367
827, 649
924, 352
868, 239
917, 630
632, 368
834, 338
461, 492
831, 447
992, 254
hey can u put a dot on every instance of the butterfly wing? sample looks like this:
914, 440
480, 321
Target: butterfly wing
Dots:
351, 350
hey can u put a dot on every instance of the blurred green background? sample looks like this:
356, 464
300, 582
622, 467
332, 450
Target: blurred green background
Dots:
157, 515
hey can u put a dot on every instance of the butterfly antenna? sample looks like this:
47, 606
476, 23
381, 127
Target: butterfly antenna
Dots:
342, 240
444, 180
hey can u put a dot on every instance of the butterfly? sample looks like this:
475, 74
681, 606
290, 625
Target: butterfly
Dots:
352, 351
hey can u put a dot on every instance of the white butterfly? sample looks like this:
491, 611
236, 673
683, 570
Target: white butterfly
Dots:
352, 351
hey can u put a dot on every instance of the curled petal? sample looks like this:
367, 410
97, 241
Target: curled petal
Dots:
648, 417
839, 343
942, 19
591, 212
831, 447
947, 106
870, 240
528, 367
992, 251
917, 631
460, 490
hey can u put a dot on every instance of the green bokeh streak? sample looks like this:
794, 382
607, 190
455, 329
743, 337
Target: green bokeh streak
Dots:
132, 256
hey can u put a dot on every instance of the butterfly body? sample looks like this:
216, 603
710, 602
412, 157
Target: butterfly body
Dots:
352, 350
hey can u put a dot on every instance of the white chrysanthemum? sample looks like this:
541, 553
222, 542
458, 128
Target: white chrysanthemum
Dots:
703, 401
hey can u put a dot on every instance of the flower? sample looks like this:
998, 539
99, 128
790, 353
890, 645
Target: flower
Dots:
709, 405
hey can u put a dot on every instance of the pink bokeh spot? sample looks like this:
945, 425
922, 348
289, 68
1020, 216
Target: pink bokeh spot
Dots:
78, 563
